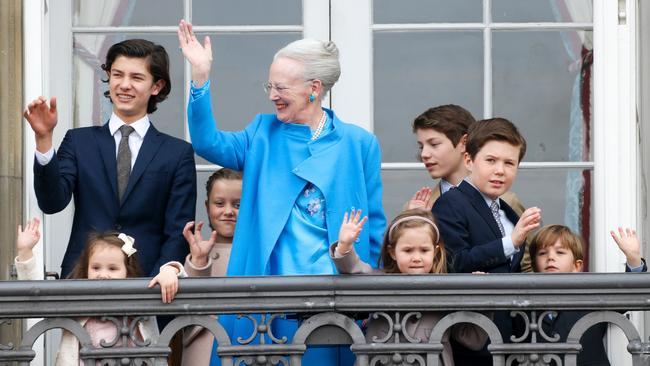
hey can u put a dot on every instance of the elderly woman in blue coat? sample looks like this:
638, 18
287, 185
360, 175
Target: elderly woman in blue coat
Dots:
303, 167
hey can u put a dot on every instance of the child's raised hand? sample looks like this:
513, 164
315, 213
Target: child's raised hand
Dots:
629, 244
167, 278
27, 239
350, 230
199, 248
530, 220
421, 199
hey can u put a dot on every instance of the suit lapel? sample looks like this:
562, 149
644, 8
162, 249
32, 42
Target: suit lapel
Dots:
150, 145
106, 144
477, 200
509, 211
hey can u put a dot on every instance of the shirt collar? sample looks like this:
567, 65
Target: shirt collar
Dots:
140, 126
445, 186
487, 199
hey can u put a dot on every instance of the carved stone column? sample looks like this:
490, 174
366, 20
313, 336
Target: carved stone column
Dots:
11, 142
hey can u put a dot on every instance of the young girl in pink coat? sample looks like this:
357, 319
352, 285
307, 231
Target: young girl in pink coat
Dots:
412, 245
106, 256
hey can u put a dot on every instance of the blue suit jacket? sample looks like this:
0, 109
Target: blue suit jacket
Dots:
471, 234
159, 199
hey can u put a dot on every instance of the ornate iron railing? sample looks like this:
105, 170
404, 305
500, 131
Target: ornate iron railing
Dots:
329, 307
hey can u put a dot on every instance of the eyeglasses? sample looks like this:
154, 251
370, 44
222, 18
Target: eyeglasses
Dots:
280, 89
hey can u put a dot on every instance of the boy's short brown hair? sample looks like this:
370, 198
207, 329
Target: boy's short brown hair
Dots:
549, 235
451, 120
493, 129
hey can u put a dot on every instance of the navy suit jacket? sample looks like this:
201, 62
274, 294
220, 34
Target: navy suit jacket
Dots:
159, 199
471, 234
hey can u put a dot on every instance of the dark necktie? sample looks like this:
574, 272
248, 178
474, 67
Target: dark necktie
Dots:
494, 207
123, 161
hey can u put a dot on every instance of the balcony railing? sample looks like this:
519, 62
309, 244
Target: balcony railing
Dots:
329, 307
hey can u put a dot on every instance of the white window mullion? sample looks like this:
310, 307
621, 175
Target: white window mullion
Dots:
615, 143
352, 32
487, 59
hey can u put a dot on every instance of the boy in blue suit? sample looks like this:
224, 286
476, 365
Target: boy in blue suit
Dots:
125, 175
480, 230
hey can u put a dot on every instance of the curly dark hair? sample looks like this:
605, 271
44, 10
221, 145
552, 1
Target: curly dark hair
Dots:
157, 60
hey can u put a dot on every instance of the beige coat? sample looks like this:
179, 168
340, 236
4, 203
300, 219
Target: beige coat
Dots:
469, 335
69, 347
197, 341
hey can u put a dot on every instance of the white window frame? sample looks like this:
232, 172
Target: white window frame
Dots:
615, 194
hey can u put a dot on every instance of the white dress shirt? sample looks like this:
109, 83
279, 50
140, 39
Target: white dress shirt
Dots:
136, 138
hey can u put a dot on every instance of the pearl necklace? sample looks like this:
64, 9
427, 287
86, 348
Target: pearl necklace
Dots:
321, 125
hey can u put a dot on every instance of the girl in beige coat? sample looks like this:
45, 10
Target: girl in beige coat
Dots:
411, 245
210, 258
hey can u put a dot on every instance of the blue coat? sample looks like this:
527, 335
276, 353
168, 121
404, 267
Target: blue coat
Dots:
159, 199
278, 159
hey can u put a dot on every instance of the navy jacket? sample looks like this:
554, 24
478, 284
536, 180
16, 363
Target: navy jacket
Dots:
471, 234
159, 199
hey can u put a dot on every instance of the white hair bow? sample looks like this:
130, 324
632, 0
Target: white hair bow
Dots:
127, 248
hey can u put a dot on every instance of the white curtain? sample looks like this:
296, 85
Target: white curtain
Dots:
579, 46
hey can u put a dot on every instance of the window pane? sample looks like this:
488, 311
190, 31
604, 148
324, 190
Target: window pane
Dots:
127, 12
90, 105
542, 11
541, 85
416, 71
427, 11
240, 67
201, 196
565, 197
399, 187
247, 12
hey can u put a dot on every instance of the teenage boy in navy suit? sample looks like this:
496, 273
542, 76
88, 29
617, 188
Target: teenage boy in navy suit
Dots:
480, 230
125, 175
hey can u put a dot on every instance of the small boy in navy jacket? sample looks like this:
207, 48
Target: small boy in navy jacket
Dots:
555, 249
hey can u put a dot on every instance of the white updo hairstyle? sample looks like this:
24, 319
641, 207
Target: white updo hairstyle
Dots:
320, 60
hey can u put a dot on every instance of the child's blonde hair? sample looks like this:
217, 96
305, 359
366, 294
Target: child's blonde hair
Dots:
549, 235
105, 239
407, 220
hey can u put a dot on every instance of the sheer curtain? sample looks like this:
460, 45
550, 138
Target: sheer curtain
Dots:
579, 47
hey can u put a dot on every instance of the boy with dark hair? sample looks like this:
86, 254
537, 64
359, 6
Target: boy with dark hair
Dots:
441, 134
481, 231
125, 175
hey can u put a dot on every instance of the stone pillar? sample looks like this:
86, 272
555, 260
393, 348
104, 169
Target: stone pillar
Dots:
11, 143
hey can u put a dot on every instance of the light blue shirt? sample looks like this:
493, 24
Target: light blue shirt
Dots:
445, 186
